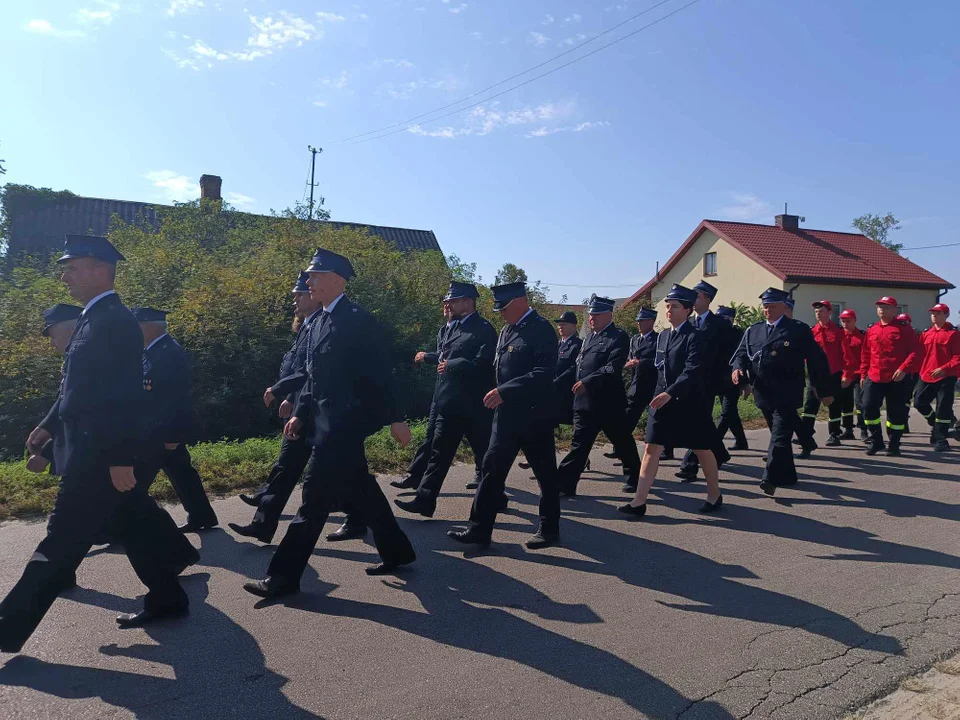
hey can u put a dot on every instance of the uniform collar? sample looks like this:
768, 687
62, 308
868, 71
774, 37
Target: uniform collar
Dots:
678, 327
775, 322
518, 322
99, 297
329, 308
155, 342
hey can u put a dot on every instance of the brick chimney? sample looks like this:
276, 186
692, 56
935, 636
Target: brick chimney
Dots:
787, 222
210, 187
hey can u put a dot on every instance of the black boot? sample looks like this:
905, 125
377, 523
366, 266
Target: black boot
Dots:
893, 449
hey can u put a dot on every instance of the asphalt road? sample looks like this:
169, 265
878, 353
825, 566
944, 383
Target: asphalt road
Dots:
799, 607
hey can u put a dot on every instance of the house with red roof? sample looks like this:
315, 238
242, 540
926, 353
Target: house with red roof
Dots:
848, 269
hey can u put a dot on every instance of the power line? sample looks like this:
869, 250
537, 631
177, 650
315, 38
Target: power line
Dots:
512, 77
535, 78
928, 247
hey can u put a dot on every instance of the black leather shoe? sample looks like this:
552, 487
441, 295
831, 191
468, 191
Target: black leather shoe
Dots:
874, 449
148, 616
252, 531
739, 446
942, 446
269, 588
196, 527
250, 500
473, 485
833, 441
386, 568
768, 488
628, 488
69, 582
848, 435
612, 455
568, 492
347, 532
805, 453
686, 476
473, 536
524, 465
666, 455
542, 539
709, 507
407, 483
893, 451
635, 510
418, 506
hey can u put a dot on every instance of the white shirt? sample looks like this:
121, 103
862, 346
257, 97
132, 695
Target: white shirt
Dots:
773, 325
101, 296
703, 316
677, 328
464, 319
329, 308
155, 342
524, 316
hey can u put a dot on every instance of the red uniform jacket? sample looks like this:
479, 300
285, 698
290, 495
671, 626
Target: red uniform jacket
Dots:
886, 349
833, 341
941, 350
855, 341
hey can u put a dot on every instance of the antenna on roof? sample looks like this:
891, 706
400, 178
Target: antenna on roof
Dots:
785, 209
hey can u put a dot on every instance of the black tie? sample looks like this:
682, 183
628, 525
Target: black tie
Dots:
769, 329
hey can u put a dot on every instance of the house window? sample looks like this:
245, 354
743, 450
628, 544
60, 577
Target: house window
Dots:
709, 263
901, 309
838, 307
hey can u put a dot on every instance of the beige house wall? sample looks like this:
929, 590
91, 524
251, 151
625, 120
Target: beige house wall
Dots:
862, 301
739, 279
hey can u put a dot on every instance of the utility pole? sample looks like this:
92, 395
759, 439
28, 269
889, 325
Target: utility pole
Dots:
313, 167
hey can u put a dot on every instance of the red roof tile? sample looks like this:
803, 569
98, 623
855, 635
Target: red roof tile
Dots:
812, 256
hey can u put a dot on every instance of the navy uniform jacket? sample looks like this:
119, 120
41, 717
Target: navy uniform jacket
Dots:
774, 364
600, 369
716, 346
167, 385
644, 377
680, 369
96, 420
468, 349
525, 367
293, 369
349, 390
433, 358
566, 375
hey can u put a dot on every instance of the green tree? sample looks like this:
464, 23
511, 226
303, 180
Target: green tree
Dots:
746, 315
878, 227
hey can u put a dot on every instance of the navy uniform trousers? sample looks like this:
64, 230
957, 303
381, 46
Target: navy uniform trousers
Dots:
449, 430
587, 424
337, 474
178, 466
783, 421
730, 415
283, 478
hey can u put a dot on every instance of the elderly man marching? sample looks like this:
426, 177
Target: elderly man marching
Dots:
771, 358
938, 375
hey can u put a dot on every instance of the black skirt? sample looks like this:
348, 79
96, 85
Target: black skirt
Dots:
682, 423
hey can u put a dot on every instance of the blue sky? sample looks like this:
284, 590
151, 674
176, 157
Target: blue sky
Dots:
585, 178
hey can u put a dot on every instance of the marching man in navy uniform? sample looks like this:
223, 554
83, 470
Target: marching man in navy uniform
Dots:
599, 400
96, 427
271, 498
678, 416
464, 376
349, 395
771, 358
643, 372
524, 412
167, 380
730, 396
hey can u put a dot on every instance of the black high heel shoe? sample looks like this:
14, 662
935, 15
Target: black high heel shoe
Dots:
709, 507
638, 511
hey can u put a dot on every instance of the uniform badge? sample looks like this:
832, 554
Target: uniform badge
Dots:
786, 343
510, 348
147, 384
773, 353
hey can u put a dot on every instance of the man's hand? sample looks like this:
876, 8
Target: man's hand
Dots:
420, 357
291, 431
286, 409
937, 373
660, 400
826, 401
735, 376
122, 478
36, 440
632, 362
899, 375
441, 367
577, 386
846, 383
862, 381
171, 446
401, 433
268, 397
37, 463
492, 399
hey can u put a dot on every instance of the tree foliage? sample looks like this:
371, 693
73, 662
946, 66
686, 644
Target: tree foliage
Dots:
746, 315
878, 227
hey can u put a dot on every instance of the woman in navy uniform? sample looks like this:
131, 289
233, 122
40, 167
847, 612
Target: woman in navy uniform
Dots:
678, 415
524, 411
568, 351
771, 358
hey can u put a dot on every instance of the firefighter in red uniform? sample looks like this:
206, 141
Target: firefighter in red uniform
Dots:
938, 375
913, 378
851, 411
888, 355
833, 341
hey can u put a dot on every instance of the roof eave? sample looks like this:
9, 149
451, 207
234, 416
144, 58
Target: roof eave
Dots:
816, 280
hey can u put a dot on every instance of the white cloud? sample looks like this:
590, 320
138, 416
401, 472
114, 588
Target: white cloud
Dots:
179, 7
85, 15
548, 20
320, 103
543, 131
173, 187
458, 10
271, 34
405, 90
476, 35
485, 120
44, 27
748, 207
575, 18
239, 201
332, 17
539, 39
403, 63
181, 61
337, 83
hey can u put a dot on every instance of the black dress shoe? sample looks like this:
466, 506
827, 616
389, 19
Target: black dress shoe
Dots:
739, 446
151, 615
473, 485
568, 492
472, 536
942, 446
848, 434
628, 488
768, 488
385, 568
804, 454
874, 449
612, 455
893, 451
347, 532
542, 539
833, 441
418, 506
195, 527
635, 510
666, 455
252, 531
407, 483
69, 582
523, 465
686, 476
709, 507
250, 500
270, 588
